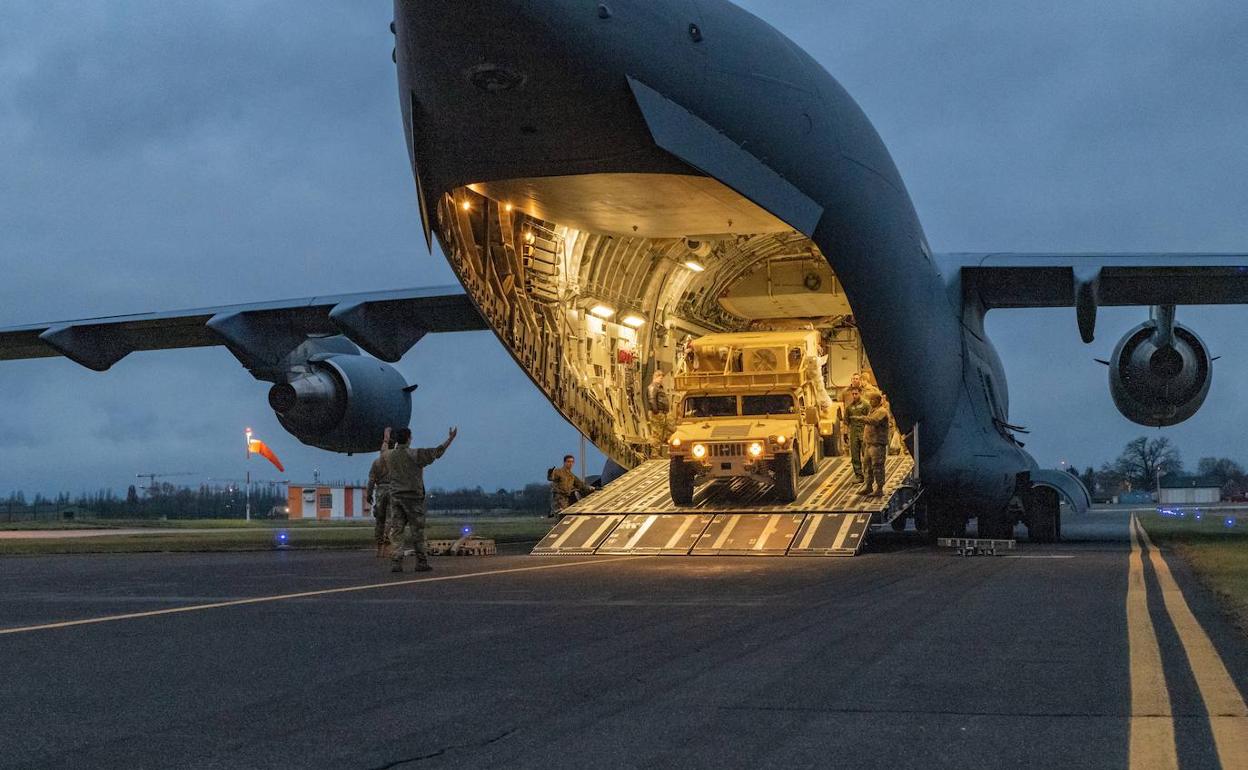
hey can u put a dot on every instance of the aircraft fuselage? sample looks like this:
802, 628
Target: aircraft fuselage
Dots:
551, 110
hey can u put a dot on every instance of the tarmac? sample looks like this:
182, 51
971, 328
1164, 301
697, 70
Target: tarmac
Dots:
904, 656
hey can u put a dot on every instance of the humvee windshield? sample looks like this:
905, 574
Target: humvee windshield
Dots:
777, 404
711, 406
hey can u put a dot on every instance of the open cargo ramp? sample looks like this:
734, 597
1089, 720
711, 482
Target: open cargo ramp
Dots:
635, 515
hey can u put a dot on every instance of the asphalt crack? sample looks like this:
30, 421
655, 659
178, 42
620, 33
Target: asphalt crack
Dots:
446, 749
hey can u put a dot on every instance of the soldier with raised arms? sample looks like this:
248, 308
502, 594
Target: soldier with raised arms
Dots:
406, 467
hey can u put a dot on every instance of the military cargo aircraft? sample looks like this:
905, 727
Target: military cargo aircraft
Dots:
611, 180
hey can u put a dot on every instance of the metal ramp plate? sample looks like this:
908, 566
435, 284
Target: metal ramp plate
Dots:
577, 535
654, 533
832, 488
749, 534
831, 534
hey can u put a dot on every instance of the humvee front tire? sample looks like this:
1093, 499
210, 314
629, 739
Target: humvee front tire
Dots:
680, 481
809, 468
785, 469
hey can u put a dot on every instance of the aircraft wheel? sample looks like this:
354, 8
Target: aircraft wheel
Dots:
945, 522
786, 472
680, 481
994, 526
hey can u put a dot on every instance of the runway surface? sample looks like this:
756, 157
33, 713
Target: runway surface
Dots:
905, 656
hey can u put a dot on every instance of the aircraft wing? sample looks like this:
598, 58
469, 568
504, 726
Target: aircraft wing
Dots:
1088, 281
384, 323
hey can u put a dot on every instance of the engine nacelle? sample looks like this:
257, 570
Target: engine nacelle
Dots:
1159, 379
342, 403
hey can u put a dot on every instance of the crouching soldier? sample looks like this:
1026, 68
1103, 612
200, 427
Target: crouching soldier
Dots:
406, 467
563, 484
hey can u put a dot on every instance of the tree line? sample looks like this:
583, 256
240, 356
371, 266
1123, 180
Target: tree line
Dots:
159, 501
1145, 462
168, 501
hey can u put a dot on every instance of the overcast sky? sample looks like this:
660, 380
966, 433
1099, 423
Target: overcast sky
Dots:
158, 155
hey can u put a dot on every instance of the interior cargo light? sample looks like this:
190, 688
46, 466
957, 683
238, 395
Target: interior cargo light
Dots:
508, 207
756, 449
529, 237
699, 451
695, 266
602, 311
467, 205
634, 320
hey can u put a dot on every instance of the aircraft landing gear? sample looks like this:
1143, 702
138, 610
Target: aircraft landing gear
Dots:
1044, 522
941, 521
998, 525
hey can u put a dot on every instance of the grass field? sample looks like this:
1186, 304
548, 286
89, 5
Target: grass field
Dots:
231, 535
1216, 550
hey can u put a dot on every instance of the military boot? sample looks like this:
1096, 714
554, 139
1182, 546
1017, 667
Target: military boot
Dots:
396, 566
423, 566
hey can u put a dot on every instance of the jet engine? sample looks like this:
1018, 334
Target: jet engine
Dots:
1160, 371
342, 403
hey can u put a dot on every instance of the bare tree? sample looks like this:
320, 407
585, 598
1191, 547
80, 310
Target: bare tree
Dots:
1228, 473
1143, 458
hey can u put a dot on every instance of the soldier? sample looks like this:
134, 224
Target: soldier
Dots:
875, 442
379, 493
863, 384
406, 467
856, 410
563, 482
658, 405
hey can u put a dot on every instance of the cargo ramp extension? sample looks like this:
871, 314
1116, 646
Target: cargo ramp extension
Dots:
635, 515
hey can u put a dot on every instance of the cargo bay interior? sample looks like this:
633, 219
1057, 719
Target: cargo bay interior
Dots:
595, 281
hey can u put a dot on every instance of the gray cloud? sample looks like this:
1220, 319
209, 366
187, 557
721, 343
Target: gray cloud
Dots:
162, 155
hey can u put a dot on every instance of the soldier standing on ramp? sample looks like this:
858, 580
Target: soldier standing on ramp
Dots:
856, 408
875, 439
406, 467
379, 493
659, 406
563, 482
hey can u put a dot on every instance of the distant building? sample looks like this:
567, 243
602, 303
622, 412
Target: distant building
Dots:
327, 501
1188, 490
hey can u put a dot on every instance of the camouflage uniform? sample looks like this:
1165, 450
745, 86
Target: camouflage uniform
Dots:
379, 493
875, 438
563, 483
659, 406
854, 414
407, 500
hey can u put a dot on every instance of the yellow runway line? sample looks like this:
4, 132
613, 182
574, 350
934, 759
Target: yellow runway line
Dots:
1152, 723
303, 595
1228, 714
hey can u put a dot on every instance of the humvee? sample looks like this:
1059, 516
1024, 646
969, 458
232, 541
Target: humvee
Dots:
751, 409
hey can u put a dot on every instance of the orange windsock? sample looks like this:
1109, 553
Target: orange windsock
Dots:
256, 446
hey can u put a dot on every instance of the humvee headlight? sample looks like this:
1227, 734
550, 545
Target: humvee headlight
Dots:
756, 449
699, 451
780, 439
675, 440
